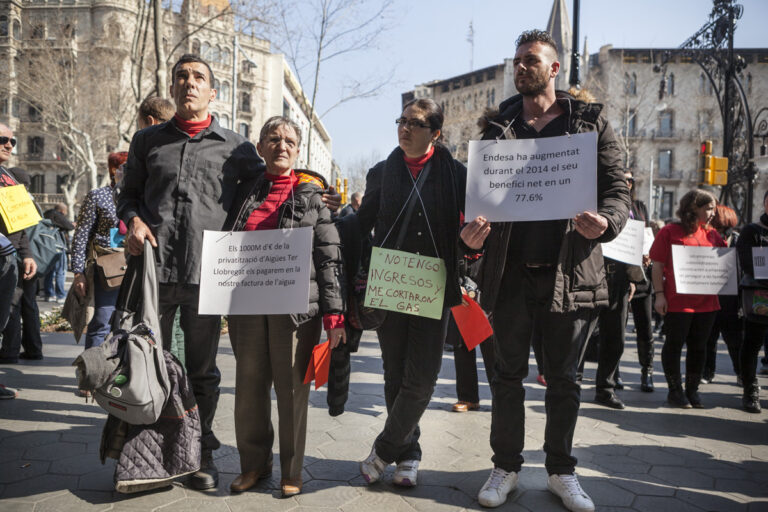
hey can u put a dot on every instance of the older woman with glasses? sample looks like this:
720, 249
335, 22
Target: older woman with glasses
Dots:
412, 346
276, 349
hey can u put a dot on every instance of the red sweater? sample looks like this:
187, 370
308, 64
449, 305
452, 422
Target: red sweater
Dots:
192, 128
267, 214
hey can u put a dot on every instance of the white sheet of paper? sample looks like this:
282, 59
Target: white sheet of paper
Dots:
760, 262
532, 179
628, 246
255, 272
648, 240
705, 270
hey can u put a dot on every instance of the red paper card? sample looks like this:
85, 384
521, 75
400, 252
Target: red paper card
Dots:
472, 323
319, 365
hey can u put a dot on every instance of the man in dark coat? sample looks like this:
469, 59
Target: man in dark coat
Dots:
547, 275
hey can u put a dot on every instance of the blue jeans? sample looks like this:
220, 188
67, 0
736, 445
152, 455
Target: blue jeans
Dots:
104, 302
55, 278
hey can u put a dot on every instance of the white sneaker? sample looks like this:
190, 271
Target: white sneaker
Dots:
497, 487
406, 473
573, 496
372, 467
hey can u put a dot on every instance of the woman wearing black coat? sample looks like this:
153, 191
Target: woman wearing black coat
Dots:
412, 346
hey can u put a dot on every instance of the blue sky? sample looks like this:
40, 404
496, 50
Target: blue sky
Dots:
427, 41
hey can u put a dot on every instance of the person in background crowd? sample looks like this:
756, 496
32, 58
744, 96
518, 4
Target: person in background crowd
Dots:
353, 206
92, 236
642, 299
755, 332
55, 280
412, 346
276, 349
525, 268
727, 322
155, 110
688, 318
27, 268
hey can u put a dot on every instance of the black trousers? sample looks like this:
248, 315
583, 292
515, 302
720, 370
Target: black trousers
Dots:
691, 330
23, 328
465, 362
612, 322
754, 334
201, 342
412, 353
523, 304
642, 314
732, 328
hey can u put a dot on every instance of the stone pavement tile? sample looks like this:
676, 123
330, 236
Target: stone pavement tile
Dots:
426, 498
326, 493
17, 506
642, 484
724, 450
10, 453
260, 499
28, 440
39, 488
149, 500
332, 469
344, 433
54, 451
711, 501
620, 463
341, 450
380, 499
663, 504
80, 465
725, 470
605, 493
539, 499
741, 489
436, 458
656, 455
682, 477
195, 504
102, 479
758, 506
17, 470
88, 501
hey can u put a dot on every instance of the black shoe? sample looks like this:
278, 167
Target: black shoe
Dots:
609, 400
31, 357
692, 382
207, 477
694, 399
676, 397
646, 382
751, 399
619, 384
9, 360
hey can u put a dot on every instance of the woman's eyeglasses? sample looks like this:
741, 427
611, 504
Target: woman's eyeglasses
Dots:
5, 140
411, 123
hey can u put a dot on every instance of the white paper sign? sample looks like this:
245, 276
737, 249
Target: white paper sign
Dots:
628, 246
255, 272
760, 262
704, 270
648, 240
532, 179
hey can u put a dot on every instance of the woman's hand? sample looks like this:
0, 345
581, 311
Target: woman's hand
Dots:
660, 305
80, 285
474, 233
336, 335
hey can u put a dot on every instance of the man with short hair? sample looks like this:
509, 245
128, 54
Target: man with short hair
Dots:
155, 110
354, 204
11, 275
180, 179
545, 275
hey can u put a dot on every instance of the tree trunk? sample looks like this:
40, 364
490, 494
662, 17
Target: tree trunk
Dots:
161, 82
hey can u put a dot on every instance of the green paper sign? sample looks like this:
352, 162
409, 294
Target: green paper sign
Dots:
406, 283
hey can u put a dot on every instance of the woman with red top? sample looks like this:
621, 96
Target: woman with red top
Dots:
413, 202
276, 349
688, 319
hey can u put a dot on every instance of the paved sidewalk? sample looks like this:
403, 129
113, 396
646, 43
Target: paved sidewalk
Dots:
647, 458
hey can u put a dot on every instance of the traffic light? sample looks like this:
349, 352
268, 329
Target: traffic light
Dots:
713, 170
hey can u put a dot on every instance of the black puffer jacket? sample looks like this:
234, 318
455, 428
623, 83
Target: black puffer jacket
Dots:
305, 208
580, 276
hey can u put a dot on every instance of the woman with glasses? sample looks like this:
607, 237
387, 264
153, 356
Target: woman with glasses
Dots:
276, 349
412, 346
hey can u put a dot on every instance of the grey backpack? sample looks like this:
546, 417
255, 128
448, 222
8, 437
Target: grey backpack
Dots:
138, 388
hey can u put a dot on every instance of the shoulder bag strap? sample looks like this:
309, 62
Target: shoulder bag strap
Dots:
412, 203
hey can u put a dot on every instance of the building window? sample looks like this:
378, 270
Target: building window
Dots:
225, 121
61, 182
748, 84
35, 146
3, 107
205, 50
706, 123
224, 93
37, 185
286, 109
17, 30
34, 113
38, 32
217, 85
468, 81
666, 124
244, 130
456, 84
245, 102
630, 84
629, 123
445, 87
667, 204
196, 47
491, 74
3, 26
15, 107
671, 84
665, 163
705, 86
225, 56
478, 78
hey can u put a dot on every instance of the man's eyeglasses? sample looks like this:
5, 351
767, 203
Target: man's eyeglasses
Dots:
4, 141
411, 123
631, 180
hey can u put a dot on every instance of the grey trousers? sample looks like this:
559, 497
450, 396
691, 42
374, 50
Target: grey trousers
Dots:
270, 349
